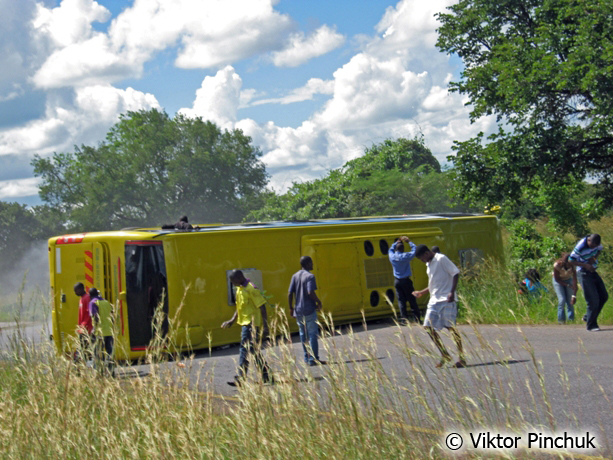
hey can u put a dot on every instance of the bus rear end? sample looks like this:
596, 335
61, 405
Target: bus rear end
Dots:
74, 259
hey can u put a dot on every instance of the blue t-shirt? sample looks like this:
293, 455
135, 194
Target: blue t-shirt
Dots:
302, 283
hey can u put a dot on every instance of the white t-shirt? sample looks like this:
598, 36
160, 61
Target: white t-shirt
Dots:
440, 271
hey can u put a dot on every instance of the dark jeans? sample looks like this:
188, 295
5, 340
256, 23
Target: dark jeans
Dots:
404, 291
595, 295
84, 352
248, 337
103, 351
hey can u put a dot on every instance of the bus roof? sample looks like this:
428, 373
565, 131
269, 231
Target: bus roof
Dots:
311, 222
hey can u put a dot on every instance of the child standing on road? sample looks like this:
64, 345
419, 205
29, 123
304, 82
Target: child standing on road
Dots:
250, 315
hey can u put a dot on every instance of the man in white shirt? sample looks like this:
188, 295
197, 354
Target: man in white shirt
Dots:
442, 308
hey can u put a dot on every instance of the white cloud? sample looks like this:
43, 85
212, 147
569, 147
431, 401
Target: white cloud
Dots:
218, 98
83, 118
304, 93
18, 188
300, 48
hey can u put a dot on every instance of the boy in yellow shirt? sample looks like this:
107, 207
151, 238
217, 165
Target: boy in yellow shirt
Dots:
250, 313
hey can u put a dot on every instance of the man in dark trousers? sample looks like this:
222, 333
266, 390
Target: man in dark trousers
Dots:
585, 256
303, 286
401, 265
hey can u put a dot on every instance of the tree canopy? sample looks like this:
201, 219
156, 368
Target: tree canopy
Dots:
395, 177
543, 68
150, 170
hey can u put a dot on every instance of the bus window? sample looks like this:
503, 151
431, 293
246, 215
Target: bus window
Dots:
146, 289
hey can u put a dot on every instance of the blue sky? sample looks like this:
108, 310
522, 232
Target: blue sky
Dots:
313, 83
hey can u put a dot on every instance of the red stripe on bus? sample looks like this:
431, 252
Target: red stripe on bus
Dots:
144, 243
89, 254
138, 348
89, 266
120, 301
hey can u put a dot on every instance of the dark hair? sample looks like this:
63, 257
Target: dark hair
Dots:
563, 260
304, 261
420, 250
79, 285
533, 275
435, 249
93, 292
183, 219
595, 238
236, 274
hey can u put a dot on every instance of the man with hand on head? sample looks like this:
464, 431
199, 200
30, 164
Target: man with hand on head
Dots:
303, 286
401, 265
442, 309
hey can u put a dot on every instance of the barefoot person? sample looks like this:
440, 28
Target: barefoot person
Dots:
251, 315
442, 309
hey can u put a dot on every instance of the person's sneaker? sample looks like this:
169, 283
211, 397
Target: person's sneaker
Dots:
594, 329
460, 364
237, 382
585, 318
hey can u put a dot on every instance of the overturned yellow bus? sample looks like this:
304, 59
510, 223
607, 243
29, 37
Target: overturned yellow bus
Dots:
133, 267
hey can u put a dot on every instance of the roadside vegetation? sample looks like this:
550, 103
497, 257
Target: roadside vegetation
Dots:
52, 408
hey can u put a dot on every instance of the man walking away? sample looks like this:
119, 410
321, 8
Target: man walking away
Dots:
442, 309
585, 256
251, 315
84, 325
303, 286
401, 265
101, 312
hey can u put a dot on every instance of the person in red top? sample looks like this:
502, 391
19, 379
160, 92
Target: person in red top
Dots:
84, 326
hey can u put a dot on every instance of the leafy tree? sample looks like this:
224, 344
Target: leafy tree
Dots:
394, 177
543, 67
150, 170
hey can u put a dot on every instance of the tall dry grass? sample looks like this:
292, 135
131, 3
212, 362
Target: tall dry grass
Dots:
51, 407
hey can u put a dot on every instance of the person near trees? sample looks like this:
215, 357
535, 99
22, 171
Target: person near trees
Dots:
303, 286
84, 325
401, 266
585, 256
251, 315
442, 309
565, 286
101, 312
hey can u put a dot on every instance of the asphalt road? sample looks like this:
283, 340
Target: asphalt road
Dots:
573, 367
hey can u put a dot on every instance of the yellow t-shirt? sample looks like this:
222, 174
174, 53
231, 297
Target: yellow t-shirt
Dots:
248, 303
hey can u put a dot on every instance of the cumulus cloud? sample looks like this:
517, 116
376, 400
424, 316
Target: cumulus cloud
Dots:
17, 188
304, 93
208, 35
82, 116
300, 49
218, 98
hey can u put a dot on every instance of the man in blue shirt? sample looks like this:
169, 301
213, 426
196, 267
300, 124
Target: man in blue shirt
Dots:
585, 256
401, 265
303, 286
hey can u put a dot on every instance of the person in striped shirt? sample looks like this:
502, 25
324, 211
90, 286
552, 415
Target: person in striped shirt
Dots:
585, 256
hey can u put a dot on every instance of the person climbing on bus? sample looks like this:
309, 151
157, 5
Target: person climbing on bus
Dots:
101, 312
84, 325
442, 309
251, 316
401, 266
303, 286
181, 224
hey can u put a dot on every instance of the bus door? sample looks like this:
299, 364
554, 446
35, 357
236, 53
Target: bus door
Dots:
336, 267
75, 262
146, 290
